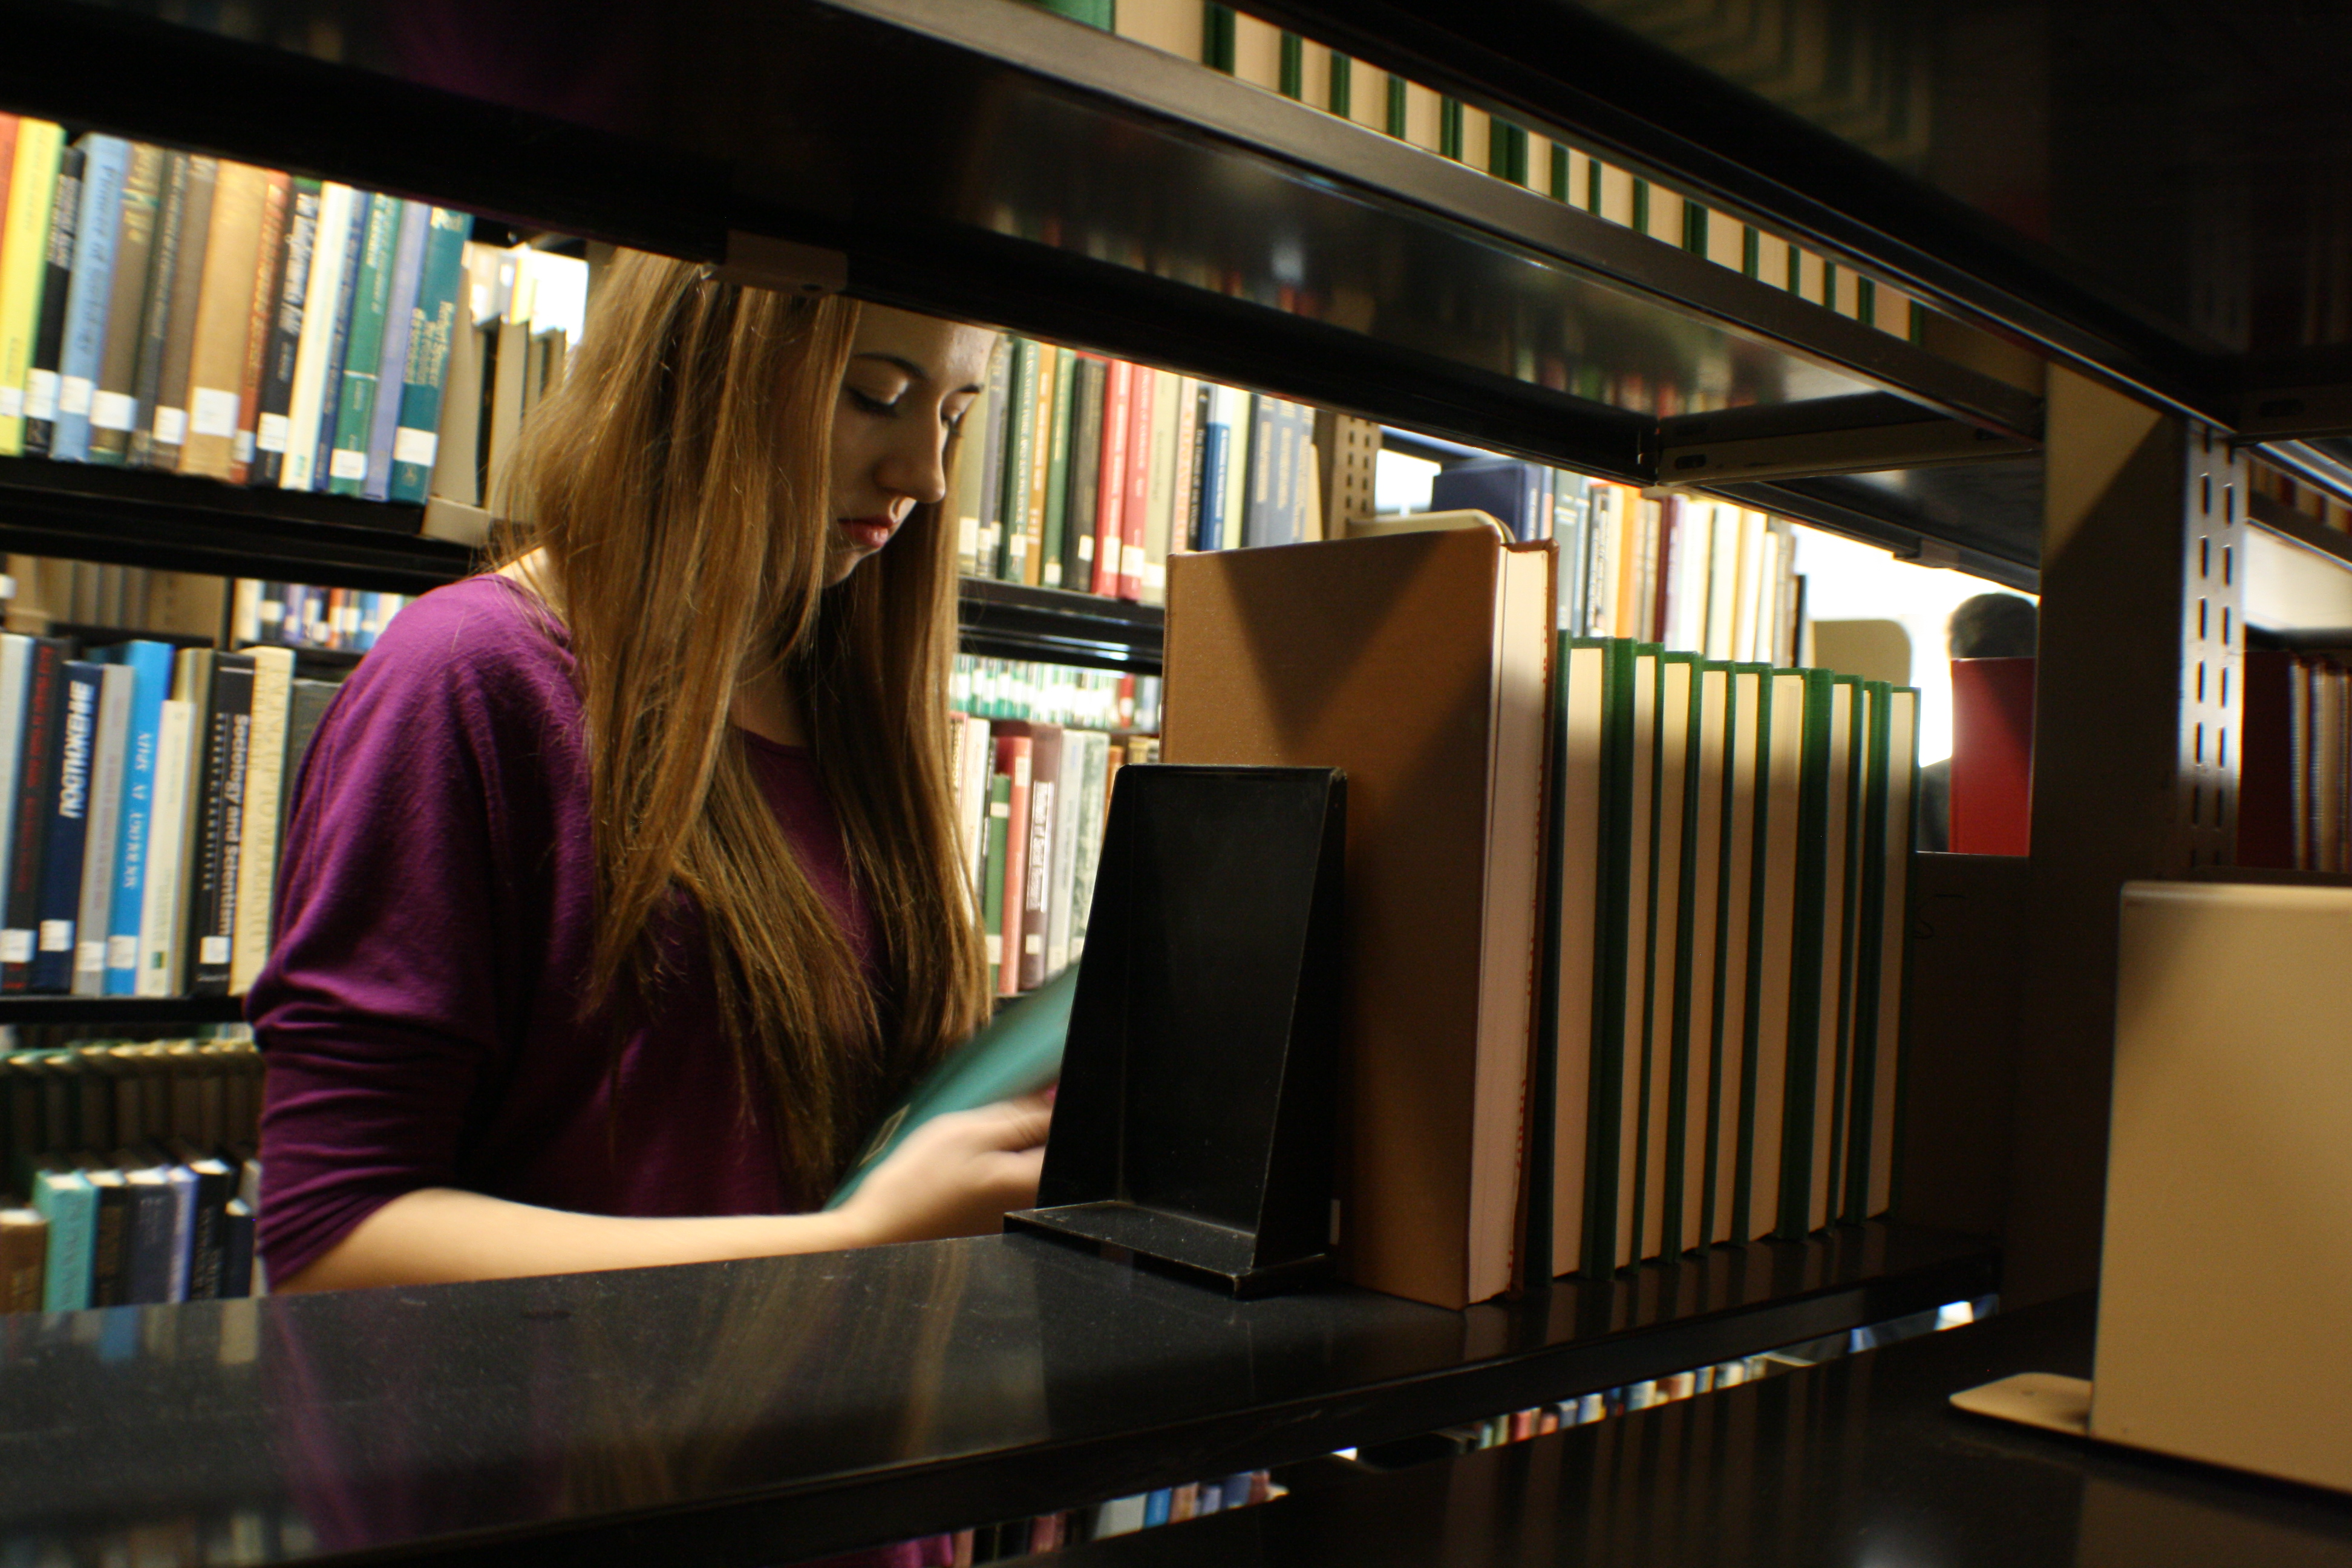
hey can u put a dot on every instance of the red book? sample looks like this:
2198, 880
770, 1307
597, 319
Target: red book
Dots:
1110, 503
1992, 756
1012, 760
1139, 484
2266, 762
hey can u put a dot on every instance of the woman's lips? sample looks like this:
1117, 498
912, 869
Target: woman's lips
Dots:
869, 532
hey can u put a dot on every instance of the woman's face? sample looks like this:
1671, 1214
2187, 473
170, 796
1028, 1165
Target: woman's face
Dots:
909, 380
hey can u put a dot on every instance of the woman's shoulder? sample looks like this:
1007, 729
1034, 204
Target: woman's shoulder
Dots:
484, 642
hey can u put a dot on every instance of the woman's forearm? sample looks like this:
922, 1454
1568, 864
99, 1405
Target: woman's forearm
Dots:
438, 1235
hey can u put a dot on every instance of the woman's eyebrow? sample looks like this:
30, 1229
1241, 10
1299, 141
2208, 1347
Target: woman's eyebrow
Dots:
909, 366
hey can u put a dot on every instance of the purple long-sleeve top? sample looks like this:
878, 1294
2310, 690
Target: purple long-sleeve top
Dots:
420, 1015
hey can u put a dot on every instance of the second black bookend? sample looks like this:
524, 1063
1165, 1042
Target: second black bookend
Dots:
1195, 1125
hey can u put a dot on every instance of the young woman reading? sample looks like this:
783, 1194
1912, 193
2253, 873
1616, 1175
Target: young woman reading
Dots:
621, 893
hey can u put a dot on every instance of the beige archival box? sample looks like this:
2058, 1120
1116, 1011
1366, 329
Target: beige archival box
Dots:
2225, 1288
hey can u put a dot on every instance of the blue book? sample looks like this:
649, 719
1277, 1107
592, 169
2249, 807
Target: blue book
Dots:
1155, 1507
153, 1215
236, 1249
68, 1201
180, 1264
331, 393
66, 824
1262, 498
1504, 487
1217, 458
438, 321
104, 171
392, 358
151, 667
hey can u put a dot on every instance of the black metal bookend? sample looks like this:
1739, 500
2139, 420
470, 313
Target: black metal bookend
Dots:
1195, 1125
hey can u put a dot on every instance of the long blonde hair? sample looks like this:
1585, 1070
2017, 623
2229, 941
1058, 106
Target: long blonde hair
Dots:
678, 482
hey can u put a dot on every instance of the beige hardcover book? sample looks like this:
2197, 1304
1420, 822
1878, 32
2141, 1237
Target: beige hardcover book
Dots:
1477, 139
1170, 397
1783, 790
1726, 240
1633, 1053
1723, 583
1710, 762
273, 687
1580, 166
1040, 465
1844, 727
1886, 1065
1257, 52
2225, 1275
1810, 275
1853, 1091
1423, 116
1580, 751
1170, 24
1616, 195
224, 320
1742, 793
1421, 664
1677, 681
1772, 258
1368, 95
1664, 214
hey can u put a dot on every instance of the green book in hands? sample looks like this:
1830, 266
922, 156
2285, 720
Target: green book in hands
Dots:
1020, 1052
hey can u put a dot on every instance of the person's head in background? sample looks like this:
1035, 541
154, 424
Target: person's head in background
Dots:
1994, 625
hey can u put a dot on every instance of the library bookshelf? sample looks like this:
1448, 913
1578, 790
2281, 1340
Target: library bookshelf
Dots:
1080, 187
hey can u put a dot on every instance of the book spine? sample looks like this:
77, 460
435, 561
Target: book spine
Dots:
35, 777
354, 413
1109, 533
25, 228
989, 559
167, 415
67, 827
990, 871
155, 315
228, 737
113, 408
217, 359
260, 318
435, 321
149, 668
236, 1249
273, 691
1012, 759
157, 969
1047, 753
339, 326
16, 668
330, 250
1258, 459
1041, 454
1135, 505
269, 424
149, 1267
391, 355
101, 843
67, 1201
41, 379
1019, 458
1084, 491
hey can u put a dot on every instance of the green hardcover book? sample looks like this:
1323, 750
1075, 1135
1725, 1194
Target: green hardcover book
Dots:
1020, 1052
1818, 921
1083, 483
1057, 466
1878, 1073
435, 322
1020, 437
992, 871
1622, 978
1093, 13
114, 406
66, 1200
1850, 781
1577, 841
1771, 937
363, 349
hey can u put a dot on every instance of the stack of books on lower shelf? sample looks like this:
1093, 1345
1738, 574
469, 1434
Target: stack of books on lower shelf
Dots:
1043, 1533
144, 786
137, 1160
1033, 792
1624, 961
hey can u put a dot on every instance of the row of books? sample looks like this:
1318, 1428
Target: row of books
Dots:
1054, 693
1698, 866
1691, 574
1083, 473
143, 784
166, 1214
296, 615
1031, 798
1049, 1533
2295, 791
1535, 157
167, 309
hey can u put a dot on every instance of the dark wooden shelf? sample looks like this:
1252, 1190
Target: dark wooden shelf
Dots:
21, 1007
1013, 620
80, 512
774, 1409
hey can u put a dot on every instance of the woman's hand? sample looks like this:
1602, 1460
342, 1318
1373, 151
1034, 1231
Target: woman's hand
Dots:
955, 1175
